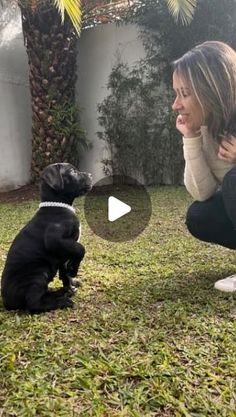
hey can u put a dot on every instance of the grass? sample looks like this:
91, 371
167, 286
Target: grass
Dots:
148, 337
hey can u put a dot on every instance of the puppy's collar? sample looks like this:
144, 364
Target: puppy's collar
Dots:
56, 204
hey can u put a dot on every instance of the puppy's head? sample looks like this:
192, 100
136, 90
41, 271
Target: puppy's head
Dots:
64, 181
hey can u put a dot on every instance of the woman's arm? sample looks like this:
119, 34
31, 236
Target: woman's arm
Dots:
198, 177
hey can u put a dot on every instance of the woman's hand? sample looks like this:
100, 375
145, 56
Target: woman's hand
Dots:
184, 125
227, 150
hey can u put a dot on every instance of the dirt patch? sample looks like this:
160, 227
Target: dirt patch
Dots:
25, 193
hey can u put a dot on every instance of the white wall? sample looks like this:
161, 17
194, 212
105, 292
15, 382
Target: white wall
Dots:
98, 51
15, 109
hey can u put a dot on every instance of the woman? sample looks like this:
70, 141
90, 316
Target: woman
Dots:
204, 81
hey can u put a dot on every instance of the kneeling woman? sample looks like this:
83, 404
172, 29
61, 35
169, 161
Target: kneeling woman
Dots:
204, 81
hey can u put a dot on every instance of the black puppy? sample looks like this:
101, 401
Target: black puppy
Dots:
46, 245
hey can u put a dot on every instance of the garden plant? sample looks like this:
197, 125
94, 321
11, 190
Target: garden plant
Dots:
50, 30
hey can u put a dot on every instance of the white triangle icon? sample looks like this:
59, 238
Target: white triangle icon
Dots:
116, 209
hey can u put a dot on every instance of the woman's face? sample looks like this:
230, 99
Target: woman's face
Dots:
186, 104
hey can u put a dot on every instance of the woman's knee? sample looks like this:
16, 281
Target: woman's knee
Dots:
229, 182
195, 219
208, 220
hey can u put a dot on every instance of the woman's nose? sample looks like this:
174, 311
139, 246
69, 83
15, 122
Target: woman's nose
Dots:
177, 104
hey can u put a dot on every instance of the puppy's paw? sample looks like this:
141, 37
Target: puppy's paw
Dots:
76, 283
66, 302
70, 291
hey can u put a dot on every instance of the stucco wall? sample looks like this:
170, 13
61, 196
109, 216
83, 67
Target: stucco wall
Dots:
15, 110
99, 49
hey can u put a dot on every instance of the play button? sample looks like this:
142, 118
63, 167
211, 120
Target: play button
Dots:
118, 208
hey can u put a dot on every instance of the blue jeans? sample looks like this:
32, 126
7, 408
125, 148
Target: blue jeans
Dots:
214, 220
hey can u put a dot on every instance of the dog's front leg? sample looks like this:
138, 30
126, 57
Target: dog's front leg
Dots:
66, 247
67, 280
69, 270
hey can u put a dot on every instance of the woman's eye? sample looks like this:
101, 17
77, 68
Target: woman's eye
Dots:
185, 93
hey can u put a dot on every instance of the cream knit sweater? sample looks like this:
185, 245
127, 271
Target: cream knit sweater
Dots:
204, 171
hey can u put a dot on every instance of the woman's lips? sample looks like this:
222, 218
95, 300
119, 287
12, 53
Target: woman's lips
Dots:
183, 117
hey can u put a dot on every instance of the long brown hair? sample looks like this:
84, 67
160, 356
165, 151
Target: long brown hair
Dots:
210, 70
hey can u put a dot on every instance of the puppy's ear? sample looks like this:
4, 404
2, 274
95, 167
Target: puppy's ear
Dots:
51, 175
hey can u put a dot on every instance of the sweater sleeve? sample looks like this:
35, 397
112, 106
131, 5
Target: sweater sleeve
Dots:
198, 177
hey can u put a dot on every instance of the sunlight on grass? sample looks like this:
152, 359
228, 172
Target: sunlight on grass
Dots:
149, 335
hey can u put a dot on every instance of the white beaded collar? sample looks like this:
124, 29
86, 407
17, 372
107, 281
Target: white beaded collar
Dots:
56, 204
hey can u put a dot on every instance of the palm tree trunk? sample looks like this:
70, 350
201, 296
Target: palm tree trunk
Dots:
51, 49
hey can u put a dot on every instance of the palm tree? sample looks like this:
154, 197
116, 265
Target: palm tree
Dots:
182, 10
51, 49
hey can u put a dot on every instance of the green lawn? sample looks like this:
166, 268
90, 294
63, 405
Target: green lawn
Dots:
149, 335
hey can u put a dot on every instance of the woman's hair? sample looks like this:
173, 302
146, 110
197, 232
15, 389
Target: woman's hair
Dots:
210, 70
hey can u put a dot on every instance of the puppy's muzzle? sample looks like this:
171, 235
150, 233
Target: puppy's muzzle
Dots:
85, 182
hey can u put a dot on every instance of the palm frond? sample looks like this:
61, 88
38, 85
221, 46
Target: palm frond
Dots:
73, 8
182, 10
